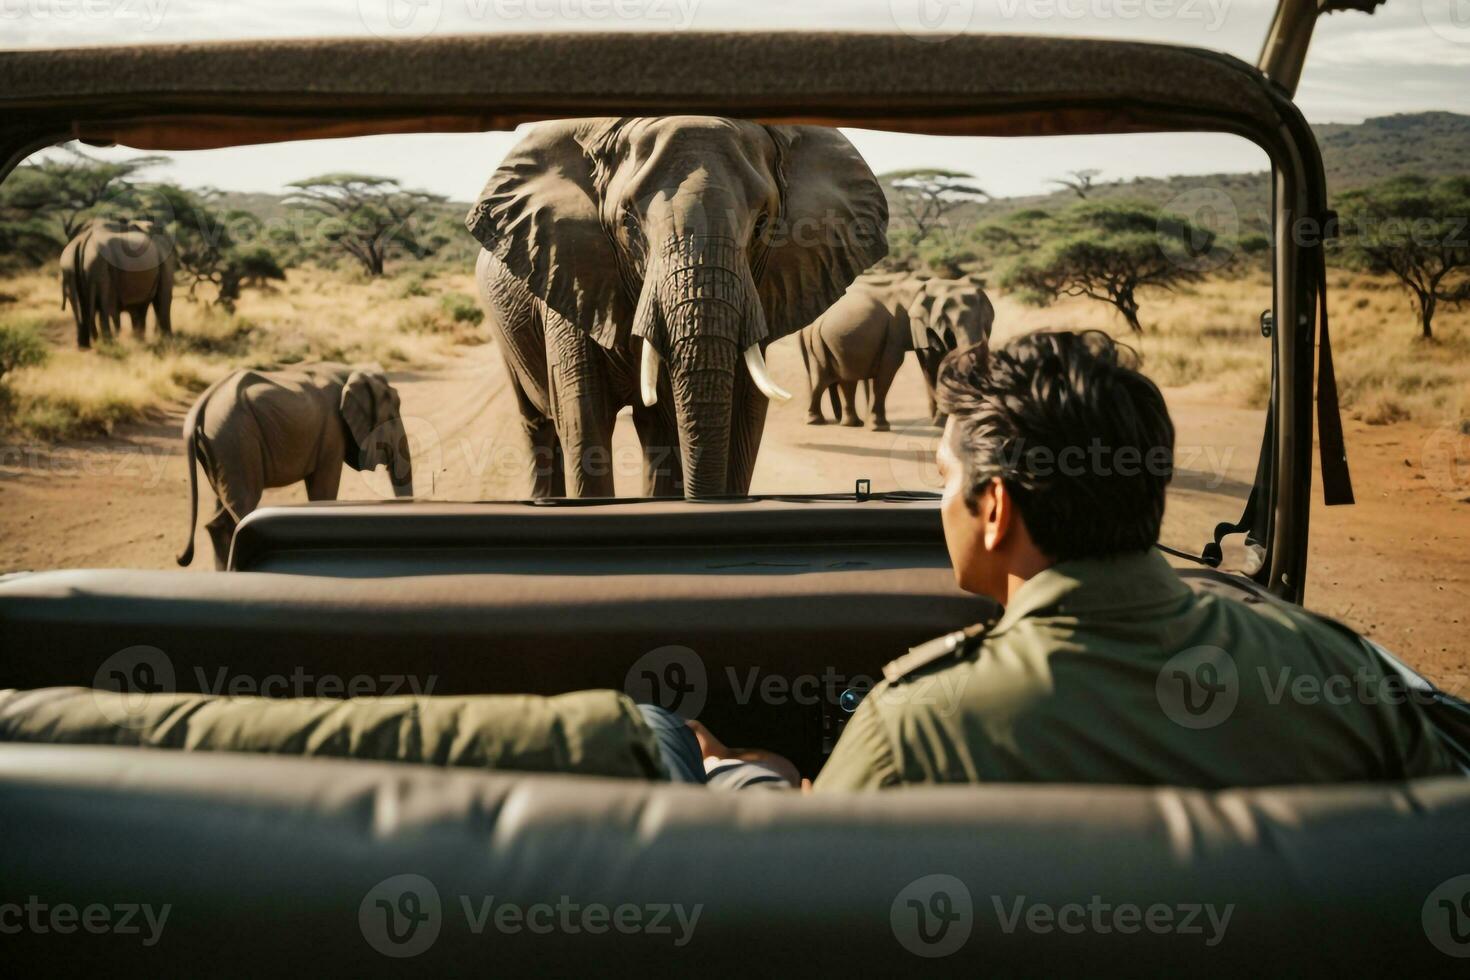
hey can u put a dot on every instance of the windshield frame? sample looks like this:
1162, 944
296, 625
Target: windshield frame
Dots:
162, 101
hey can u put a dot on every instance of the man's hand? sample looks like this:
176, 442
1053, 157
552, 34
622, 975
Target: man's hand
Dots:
716, 752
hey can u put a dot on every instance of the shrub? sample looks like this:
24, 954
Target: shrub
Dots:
20, 347
424, 321
413, 288
462, 308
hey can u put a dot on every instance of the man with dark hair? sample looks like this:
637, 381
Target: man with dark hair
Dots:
1106, 667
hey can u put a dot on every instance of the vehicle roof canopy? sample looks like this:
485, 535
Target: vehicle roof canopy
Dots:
197, 96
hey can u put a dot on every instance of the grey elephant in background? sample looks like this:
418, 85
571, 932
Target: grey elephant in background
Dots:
947, 315
648, 262
865, 335
252, 430
81, 306
112, 267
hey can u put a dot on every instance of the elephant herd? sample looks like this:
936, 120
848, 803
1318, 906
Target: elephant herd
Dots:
648, 263
642, 264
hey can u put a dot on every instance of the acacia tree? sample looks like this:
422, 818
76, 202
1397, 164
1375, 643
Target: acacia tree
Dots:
68, 191
1416, 230
215, 246
25, 240
1103, 251
367, 217
1079, 182
923, 197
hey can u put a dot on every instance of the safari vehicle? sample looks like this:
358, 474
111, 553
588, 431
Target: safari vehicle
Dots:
278, 863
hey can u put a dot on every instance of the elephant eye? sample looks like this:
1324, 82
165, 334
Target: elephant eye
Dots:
761, 224
630, 226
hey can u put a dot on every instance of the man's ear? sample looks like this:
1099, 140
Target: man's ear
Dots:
998, 515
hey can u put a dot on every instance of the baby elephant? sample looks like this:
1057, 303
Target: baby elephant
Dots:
255, 429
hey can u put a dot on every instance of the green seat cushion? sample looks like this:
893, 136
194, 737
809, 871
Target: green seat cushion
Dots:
596, 733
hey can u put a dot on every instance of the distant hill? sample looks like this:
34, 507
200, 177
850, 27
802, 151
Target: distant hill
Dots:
1435, 144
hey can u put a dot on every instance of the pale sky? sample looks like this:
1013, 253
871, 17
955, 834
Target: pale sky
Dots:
1412, 55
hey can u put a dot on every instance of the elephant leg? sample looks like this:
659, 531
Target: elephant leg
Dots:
879, 385
548, 479
324, 482
581, 405
814, 414
163, 306
814, 380
879, 405
221, 529
658, 432
929, 361
139, 316
850, 416
548, 468
836, 403
518, 329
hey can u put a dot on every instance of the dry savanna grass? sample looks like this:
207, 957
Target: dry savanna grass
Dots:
414, 318
1204, 337
1208, 336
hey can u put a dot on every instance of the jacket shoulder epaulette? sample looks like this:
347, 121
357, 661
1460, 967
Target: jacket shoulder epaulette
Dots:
948, 645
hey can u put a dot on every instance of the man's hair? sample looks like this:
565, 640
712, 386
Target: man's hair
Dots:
1079, 437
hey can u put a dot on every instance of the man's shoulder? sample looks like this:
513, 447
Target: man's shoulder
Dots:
971, 672
1286, 620
940, 652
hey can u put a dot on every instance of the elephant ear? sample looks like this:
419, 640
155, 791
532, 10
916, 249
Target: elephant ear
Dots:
539, 216
950, 313
368, 401
833, 225
931, 320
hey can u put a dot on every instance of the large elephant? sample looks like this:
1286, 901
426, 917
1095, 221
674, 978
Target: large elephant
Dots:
115, 267
253, 430
864, 336
648, 262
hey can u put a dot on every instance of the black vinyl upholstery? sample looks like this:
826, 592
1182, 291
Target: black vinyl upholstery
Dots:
513, 599
268, 863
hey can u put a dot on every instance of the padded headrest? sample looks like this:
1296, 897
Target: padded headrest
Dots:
593, 733
309, 866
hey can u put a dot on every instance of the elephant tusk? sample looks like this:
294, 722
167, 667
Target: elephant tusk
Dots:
755, 363
648, 376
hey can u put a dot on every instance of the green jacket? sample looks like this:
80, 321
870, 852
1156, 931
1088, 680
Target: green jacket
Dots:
1114, 671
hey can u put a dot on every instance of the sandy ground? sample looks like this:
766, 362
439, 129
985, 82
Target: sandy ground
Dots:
1396, 566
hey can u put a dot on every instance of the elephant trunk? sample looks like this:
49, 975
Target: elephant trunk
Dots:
703, 325
695, 312
703, 373
400, 462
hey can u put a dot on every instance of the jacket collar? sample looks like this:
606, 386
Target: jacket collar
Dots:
1097, 585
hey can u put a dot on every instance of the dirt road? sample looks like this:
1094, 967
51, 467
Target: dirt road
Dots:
1396, 566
